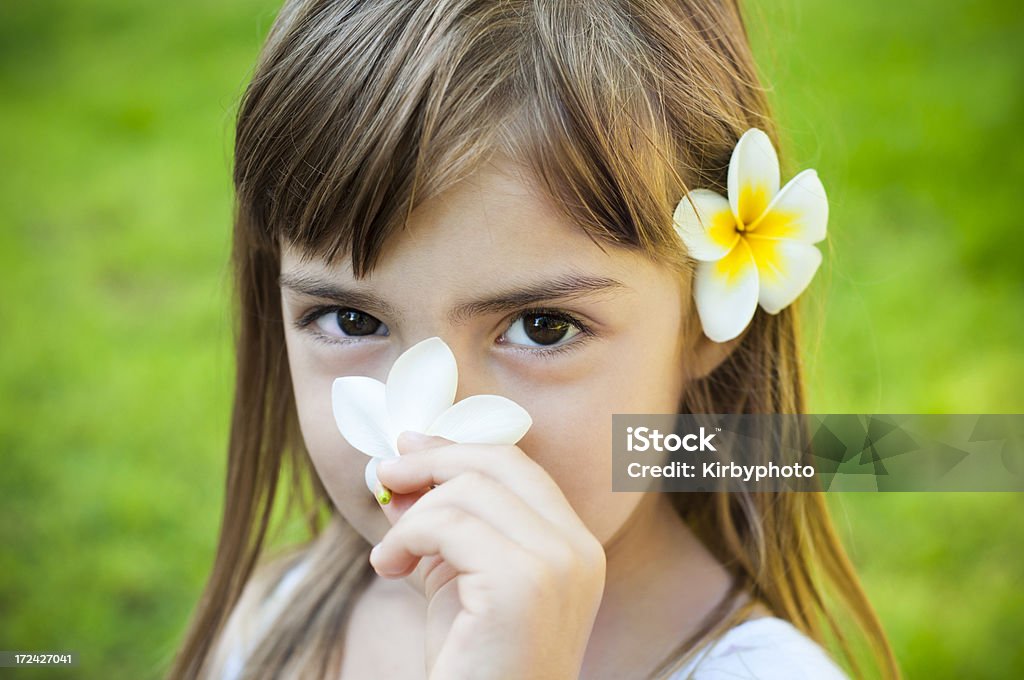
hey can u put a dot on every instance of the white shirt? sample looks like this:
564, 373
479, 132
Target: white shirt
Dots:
239, 650
768, 648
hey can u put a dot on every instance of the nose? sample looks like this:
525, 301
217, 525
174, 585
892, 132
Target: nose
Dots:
474, 378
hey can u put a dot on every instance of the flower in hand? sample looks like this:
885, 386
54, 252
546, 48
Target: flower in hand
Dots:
419, 396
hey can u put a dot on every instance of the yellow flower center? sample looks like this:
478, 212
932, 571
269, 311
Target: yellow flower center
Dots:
752, 203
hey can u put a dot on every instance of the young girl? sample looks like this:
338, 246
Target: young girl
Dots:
503, 175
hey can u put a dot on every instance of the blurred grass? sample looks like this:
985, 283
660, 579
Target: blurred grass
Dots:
114, 228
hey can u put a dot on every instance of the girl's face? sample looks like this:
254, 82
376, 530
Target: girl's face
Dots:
608, 342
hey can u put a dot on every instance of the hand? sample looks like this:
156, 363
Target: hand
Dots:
512, 576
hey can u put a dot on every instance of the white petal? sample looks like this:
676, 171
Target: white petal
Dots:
421, 385
712, 234
753, 176
360, 412
483, 419
370, 474
799, 211
726, 293
784, 267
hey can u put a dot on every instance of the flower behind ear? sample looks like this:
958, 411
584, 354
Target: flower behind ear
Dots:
754, 247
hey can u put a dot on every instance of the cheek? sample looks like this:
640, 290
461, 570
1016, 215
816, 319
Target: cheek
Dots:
572, 432
338, 465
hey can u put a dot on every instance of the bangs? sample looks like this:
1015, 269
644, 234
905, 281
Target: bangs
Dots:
360, 111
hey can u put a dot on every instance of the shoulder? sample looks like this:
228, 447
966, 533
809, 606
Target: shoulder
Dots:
767, 648
262, 598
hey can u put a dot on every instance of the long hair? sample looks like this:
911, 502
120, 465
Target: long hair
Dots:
360, 110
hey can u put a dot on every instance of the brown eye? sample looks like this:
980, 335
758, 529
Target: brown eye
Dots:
351, 322
357, 323
541, 329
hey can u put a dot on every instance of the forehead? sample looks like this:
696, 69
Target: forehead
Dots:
495, 224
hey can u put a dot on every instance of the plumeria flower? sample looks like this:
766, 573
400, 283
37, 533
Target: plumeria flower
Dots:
419, 396
756, 246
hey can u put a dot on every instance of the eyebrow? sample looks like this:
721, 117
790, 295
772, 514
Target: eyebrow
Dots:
569, 286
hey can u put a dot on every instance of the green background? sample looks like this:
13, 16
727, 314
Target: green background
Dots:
116, 124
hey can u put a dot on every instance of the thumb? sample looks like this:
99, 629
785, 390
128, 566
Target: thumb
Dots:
410, 441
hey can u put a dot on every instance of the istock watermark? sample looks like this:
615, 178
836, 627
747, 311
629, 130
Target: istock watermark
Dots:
817, 452
644, 438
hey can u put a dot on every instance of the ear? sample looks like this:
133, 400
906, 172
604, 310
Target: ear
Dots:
707, 355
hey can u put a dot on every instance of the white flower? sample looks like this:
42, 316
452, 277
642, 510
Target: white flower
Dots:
754, 247
418, 396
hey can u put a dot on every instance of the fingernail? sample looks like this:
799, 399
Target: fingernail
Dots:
375, 552
413, 439
382, 493
389, 462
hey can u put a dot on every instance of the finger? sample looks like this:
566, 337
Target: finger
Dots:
508, 465
465, 542
395, 504
410, 440
483, 497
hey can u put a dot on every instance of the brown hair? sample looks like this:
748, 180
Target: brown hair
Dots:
357, 112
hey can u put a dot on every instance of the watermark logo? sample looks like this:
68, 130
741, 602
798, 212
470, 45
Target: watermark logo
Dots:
815, 452
647, 439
